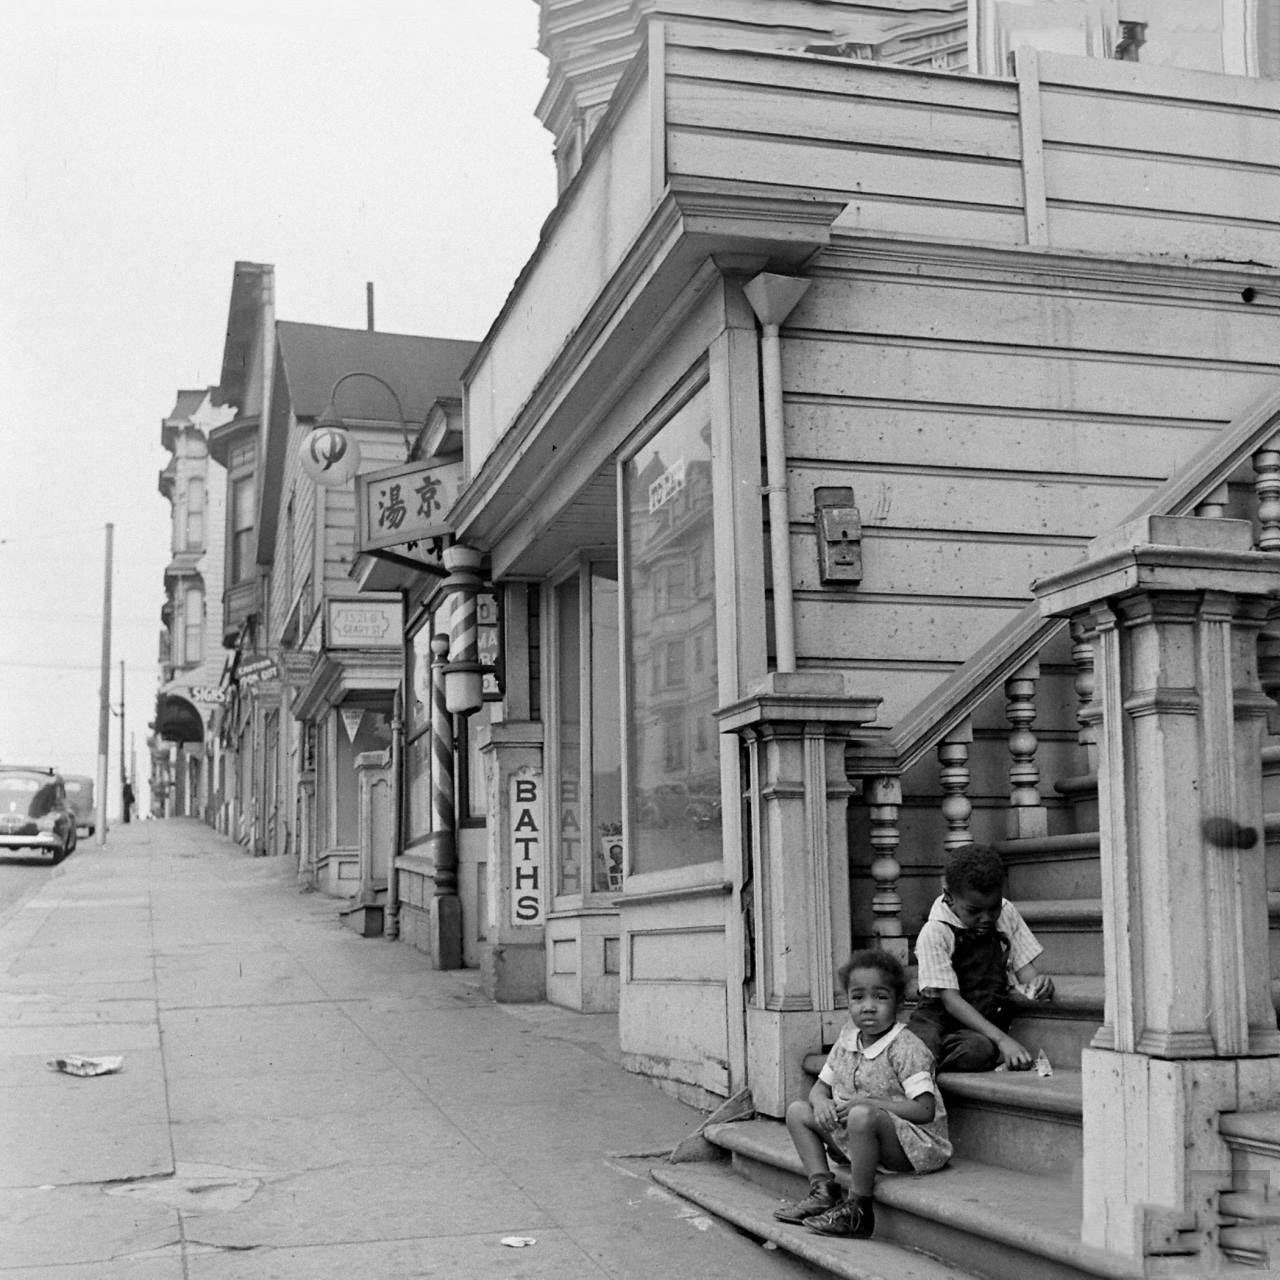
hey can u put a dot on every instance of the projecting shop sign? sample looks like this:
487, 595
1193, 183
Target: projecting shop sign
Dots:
405, 504
369, 623
526, 848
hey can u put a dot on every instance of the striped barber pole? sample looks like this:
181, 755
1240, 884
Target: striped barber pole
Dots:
464, 628
442, 808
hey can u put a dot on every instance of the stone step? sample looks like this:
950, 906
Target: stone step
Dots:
1070, 930
1054, 867
1017, 1119
714, 1186
1250, 1232
999, 1223
1065, 1025
1254, 1139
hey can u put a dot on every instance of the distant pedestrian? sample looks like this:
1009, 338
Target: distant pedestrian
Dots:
875, 1103
971, 950
128, 800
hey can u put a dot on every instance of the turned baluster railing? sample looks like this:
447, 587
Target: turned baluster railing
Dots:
1266, 487
884, 803
1085, 684
954, 776
1027, 813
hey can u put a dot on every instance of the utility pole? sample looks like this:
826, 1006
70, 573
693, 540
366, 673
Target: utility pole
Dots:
124, 772
104, 694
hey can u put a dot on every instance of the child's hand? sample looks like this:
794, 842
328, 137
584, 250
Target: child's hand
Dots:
826, 1115
1012, 1054
1042, 988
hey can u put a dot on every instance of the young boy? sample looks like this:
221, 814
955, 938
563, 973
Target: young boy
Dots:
974, 938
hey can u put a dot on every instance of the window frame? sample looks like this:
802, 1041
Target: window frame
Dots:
579, 567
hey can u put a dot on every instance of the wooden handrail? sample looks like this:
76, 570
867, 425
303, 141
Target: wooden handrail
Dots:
1027, 632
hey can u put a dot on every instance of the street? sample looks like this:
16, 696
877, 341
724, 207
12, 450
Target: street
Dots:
297, 1101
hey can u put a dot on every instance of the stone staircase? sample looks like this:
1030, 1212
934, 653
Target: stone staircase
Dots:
1008, 1207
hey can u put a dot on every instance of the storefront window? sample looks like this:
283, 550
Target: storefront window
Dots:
587, 732
673, 768
569, 734
606, 734
358, 730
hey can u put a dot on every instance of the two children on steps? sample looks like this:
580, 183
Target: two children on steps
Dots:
875, 1104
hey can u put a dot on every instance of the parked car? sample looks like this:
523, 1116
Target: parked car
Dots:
33, 811
80, 799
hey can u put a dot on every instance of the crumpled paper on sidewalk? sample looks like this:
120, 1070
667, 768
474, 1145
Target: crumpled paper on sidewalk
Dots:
73, 1064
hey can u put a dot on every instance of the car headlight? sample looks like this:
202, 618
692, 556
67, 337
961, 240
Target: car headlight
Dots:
48, 823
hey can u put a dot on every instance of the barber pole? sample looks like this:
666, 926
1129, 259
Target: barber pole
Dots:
463, 672
442, 810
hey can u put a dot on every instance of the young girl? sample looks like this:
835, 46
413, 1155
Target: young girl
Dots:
875, 1104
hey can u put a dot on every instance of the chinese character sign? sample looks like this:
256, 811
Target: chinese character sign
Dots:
404, 504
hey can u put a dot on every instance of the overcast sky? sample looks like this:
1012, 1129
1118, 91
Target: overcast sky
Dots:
143, 154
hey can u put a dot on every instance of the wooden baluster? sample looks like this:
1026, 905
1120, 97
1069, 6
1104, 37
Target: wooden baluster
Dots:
1085, 684
1266, 485
884, 800
953, 773
1027, 815
1213, 506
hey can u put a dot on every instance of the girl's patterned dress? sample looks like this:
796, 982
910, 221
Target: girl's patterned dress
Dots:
897, 1066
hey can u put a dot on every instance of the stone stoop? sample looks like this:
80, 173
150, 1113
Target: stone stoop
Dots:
985, 1221
749, 1207
1250, 1233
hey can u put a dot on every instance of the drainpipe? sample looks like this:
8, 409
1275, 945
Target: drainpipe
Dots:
772, 298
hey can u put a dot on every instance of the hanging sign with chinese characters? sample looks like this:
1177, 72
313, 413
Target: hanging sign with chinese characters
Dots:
405, 504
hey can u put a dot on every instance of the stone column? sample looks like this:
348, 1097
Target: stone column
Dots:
794, 730
1173, 606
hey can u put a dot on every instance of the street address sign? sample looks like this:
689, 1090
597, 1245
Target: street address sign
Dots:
404, 504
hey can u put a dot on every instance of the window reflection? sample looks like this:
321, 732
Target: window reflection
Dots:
569, 736
607, 854
674, 774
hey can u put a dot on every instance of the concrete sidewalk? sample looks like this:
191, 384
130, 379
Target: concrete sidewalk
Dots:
297, 1101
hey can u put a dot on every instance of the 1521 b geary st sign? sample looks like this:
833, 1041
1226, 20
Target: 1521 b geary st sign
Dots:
364, 622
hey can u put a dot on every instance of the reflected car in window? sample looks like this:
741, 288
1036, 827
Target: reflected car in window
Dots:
34, 813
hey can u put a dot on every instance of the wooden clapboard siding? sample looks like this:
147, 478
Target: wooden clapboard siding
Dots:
988, 425
843, 169
943, 435
989, 374
1055, 314
804, 73
377, 450
974, 500
837, 115
1152, 161
935, 219
937, 562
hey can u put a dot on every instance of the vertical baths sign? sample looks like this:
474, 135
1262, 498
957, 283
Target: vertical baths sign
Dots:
526, 848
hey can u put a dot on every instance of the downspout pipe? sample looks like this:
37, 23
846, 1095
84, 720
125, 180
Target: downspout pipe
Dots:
773, 298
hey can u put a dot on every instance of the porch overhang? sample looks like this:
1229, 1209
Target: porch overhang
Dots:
342, 675
694, 240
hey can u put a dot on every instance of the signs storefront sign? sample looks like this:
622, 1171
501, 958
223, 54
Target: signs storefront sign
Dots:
405, 504
525, 843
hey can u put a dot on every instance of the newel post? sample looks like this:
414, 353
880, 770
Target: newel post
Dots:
1173, 607
793, 731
